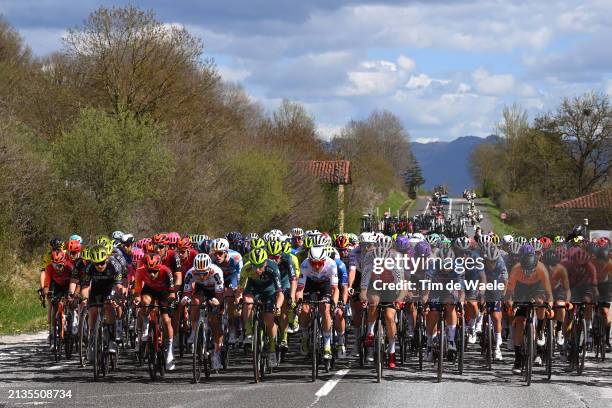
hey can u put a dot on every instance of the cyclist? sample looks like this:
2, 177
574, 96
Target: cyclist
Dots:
559, 282
373, 291
603, 264
340, 322
289, 283
204, 283
260, 280
495, 270
444, 271
528, 281
297, 239
58, 277
318, 279
102, 280
230, 263
155, 285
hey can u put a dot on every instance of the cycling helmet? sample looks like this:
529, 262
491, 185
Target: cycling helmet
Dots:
495, 240
234, 236
433, 239
529, 261
537, 246
319, 241
551, 258
462, 243
446, 252
603, 242
482, 240
514, 248
173, 238
74, 246
297, 232
257, 257
137, 255
592, 248
116, 243
99, 253
577, 240
367, 238
251, 235
219, 244
546, 242
183, 244
490, 252
316, 253
422, 249
274, 247
526, 249
58, 257
580, 256
353, 238
202, 262
342, 241
308, 242
106, 242
418, 236
152, 262
86, 253
116, 235
383, 247
287, 247
159, 239
327, 240
521, 240
402, 243
507, 239
559, 239
127, 239
76, 237
257, 243
561, 250
331, 252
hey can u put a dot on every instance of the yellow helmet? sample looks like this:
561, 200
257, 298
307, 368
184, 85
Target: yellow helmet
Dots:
99, 254
86, 253
106, 242
274, 247
257, 257
257, 243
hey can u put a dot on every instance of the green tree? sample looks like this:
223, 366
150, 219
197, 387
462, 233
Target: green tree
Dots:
109, 165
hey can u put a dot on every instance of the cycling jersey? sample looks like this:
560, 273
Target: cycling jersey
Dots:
187, 264
342, 272
285, 266
61, 278
162, 282
213, 281
231, 268
497, 273
526, 288
268, 282
172, 261
329, 272
580, 275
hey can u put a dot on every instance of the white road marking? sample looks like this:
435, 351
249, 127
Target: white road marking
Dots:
331, 383
450, 205
56, 367
426, 207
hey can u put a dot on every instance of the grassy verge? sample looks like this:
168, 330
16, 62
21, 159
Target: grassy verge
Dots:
20, 312
500, 227
395, 201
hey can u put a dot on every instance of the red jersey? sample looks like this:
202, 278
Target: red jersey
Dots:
172, 261
581, 274
163, 282
187, 263
60, 277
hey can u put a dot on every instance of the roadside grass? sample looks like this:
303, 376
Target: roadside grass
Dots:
500, 227
394, 201
20, 310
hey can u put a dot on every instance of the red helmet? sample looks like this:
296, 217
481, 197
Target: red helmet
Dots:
342, 241
603, 242
137, 255
561, 250
184, 243
580, 256
58, 257
546, 242
74, 246
160, 239
149, 247
152, 261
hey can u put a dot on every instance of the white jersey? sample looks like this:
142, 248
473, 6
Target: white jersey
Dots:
394, 275
213, 281
329, 272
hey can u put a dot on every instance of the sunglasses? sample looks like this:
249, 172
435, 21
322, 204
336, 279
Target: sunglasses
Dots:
100, 263
152, 271
58, 266
219, 253
159, 246
202, 273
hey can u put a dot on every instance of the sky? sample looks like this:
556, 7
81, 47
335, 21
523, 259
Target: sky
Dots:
446, 68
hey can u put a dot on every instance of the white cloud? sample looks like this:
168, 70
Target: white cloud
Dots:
327, 131
426, 139
232, 74
406, 63
492, 84
609, 87
423, 81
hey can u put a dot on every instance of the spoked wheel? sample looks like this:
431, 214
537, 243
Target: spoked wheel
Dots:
56, 335
550, 347
161, 362
401, 330
581, 336
152, 357
83, 338
68, 337
441, 345
314, 348
379, 349
460, 343
199, 353
529, 352
97, 351
256, 351
419, 334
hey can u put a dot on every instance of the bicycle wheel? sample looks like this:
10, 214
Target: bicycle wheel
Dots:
441, 345
105, 363
419, 333
362, 335
256, 351
198, 353
550, 346
603, 335
378, 349
83, 337
460, 343
581, 336
161, 362
68, 337
152, 353
528, 344
56, 335
314, 345
401, 336
488, 341
97, 350
181, 335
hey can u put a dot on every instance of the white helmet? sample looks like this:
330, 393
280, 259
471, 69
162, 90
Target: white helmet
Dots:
219, 244
297, 232
201, 262
317, 253
319, 241
117, 235
507, 239
383, 246
367, 238
418, 236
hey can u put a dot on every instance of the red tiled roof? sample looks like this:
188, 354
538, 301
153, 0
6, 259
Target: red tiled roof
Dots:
331, 171
598, 199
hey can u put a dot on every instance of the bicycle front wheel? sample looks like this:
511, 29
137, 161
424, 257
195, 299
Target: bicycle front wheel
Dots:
378, 352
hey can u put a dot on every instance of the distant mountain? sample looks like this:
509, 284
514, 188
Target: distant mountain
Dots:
447, 162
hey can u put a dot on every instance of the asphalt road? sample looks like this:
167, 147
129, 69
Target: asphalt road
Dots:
27, 365
456, 206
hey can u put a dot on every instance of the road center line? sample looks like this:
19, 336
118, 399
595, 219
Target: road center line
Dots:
426, 207
331, 383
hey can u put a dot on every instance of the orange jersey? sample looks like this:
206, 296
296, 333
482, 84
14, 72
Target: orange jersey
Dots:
558, 277
60, 277
538, 277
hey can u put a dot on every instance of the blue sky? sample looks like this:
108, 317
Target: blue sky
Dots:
445, 67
